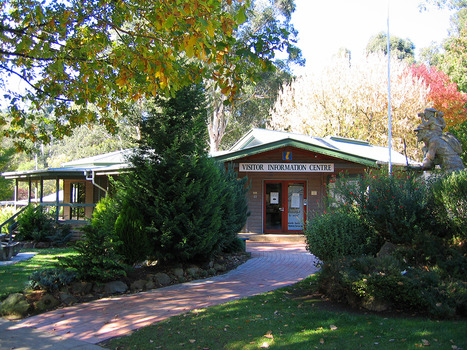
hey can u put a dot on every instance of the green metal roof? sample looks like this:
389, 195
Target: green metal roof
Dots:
231, 156
257, 141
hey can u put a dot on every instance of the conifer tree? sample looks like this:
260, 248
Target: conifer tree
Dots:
174, 183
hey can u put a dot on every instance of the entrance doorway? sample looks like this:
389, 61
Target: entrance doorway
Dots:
284, 206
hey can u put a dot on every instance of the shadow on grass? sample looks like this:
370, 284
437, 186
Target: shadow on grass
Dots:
291, 318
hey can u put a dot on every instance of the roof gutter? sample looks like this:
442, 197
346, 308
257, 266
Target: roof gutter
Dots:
89, 173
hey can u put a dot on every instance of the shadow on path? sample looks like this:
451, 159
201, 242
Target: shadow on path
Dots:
272, 265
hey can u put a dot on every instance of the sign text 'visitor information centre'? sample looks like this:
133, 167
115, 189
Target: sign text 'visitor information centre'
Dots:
288, 167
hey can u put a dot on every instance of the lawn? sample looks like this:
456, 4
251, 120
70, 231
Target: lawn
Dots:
293, 318
13, 278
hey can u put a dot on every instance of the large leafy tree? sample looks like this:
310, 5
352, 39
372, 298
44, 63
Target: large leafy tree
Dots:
454, 59
267, 30
443, 93
403, 49
351, 101
88, 58
454, 62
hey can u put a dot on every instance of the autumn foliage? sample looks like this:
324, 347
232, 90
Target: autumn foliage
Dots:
443, 93
352, 101
88, 60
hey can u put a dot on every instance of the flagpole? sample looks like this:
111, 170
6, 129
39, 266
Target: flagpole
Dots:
389, 98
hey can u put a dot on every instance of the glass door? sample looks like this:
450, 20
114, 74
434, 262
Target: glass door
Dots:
274, 208
284, 206
295, 206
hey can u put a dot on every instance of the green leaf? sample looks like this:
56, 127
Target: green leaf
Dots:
240, 16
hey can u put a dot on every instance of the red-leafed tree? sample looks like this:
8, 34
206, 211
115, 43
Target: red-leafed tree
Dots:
443, 94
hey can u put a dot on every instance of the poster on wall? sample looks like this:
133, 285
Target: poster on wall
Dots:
295, 201
274, 198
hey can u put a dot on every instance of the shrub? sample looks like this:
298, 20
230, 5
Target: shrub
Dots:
105, 214
450, 202
97, 258
60, 235
234, 208
337, 234
370, 281
35, 225
427, 221
395, 207
183, 210
130, 230
51, 279
235, 246
181, 192
430, 250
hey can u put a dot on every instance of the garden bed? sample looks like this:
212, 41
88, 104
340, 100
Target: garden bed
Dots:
138, 279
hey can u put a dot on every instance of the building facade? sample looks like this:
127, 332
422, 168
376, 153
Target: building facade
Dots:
287, 174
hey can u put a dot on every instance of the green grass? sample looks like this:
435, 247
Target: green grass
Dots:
13, 278
291, 318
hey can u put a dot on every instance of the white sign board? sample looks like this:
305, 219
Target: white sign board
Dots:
288, 167
274, 197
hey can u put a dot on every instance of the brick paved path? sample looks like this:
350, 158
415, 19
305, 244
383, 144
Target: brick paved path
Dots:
273, 265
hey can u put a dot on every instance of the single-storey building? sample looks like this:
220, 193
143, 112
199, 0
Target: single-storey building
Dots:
79, 184
287, 173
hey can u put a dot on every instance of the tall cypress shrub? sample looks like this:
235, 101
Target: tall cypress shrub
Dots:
174, 184
131, 233
235, 207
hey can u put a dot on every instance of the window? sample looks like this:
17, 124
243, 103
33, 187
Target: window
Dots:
78, 196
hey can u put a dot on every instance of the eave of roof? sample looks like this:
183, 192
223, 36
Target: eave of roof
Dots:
69, 172
50, 173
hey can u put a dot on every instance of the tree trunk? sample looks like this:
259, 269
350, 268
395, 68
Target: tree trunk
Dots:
217, 123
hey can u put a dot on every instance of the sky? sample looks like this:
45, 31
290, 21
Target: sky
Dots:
324, 26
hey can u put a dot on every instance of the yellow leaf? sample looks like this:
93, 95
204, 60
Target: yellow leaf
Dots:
203, 52
163, 83
210, 30
121, 81
189, 51
159, 74
189, 47
151, 89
